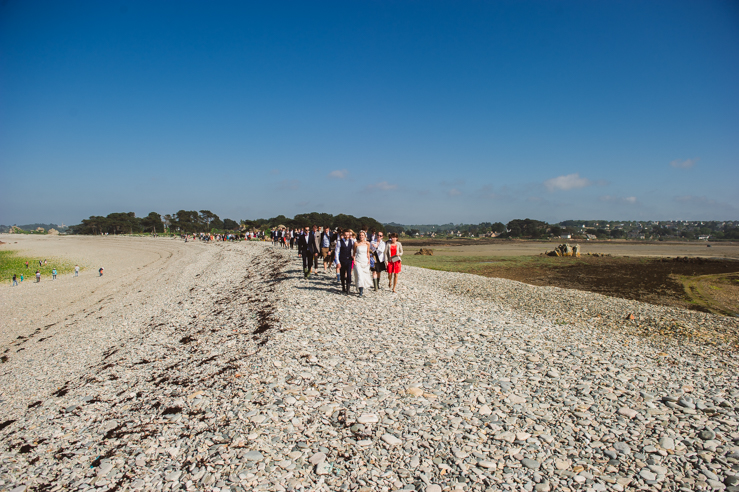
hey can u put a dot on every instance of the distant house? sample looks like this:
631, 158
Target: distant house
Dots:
703, 238
590, 236
566, 236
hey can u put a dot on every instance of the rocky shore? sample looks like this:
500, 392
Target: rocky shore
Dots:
221, 368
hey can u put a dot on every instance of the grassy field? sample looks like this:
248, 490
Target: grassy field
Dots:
11, 262
718, 294
709, 285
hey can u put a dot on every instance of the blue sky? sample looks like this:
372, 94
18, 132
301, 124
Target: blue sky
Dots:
412, 112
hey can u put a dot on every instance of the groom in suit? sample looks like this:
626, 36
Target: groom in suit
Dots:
345, 258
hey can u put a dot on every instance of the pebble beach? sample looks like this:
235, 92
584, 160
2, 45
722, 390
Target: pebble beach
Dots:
219, 367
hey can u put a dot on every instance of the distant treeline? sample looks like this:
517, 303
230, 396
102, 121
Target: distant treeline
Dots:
32, 227
192, 221
600, 229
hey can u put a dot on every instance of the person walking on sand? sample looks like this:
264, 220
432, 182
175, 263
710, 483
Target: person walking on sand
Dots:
395, 251
362, 273
378, 247
76, 270
101, 271
38, 276
15, 280
53, 274
344, 258
26, 263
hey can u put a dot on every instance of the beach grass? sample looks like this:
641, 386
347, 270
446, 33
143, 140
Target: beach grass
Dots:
14, 262
480, 265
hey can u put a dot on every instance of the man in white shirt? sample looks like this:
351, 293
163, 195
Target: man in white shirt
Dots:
378, 247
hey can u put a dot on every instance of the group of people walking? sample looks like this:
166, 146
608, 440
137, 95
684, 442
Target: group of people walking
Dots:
363, 256
16, 277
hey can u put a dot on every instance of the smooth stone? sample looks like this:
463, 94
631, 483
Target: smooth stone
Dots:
414, 391
391, 440
104, 469
646, 474
562, 464
323, 468
530, 464
667, 443
253, 456
731, 480
485, 410
487, 464
627, 412
173, 477
317, 458
706, 434
622, 447
542, 487
433, 488
715, 485
368, 418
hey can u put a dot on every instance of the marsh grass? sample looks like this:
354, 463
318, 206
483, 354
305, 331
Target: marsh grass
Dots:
12, 262
482, 265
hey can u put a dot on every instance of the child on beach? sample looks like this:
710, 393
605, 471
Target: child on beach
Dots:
38, 276
101, 271
53, 274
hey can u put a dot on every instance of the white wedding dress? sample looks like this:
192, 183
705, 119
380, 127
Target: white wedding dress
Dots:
362, 274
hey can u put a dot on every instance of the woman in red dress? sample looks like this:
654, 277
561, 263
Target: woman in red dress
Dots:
394, 252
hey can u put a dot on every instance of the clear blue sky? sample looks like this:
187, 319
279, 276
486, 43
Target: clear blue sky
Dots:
413, 112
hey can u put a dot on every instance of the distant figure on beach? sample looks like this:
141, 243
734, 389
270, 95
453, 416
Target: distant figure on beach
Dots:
53, 274
101, 271
15, 280
26, 263
21, 277
40, 264
38, 276
44, 262
395, 251
76, 270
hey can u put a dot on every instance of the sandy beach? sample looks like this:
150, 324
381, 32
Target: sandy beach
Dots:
218, 367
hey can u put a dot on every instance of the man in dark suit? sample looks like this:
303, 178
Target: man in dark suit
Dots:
308, 245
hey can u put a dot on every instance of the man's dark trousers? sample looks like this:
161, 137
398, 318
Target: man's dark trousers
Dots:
346, 274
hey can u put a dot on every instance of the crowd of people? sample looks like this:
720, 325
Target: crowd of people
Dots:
18, 279
363, 256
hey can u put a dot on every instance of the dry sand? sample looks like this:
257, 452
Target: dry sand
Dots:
72, 321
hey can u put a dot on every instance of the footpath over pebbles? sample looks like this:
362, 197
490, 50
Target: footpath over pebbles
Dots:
252, 378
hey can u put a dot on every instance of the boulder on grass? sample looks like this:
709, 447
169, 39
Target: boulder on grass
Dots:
425, 252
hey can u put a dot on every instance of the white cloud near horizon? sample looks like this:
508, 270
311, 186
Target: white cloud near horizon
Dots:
686, 164
568, 182
382, 186
338, 174
617, 199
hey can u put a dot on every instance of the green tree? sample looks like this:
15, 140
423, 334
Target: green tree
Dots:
152, 223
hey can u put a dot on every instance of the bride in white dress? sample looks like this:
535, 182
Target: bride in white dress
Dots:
362, 275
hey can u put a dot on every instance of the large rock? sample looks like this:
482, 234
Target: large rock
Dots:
425, 252
565, 250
